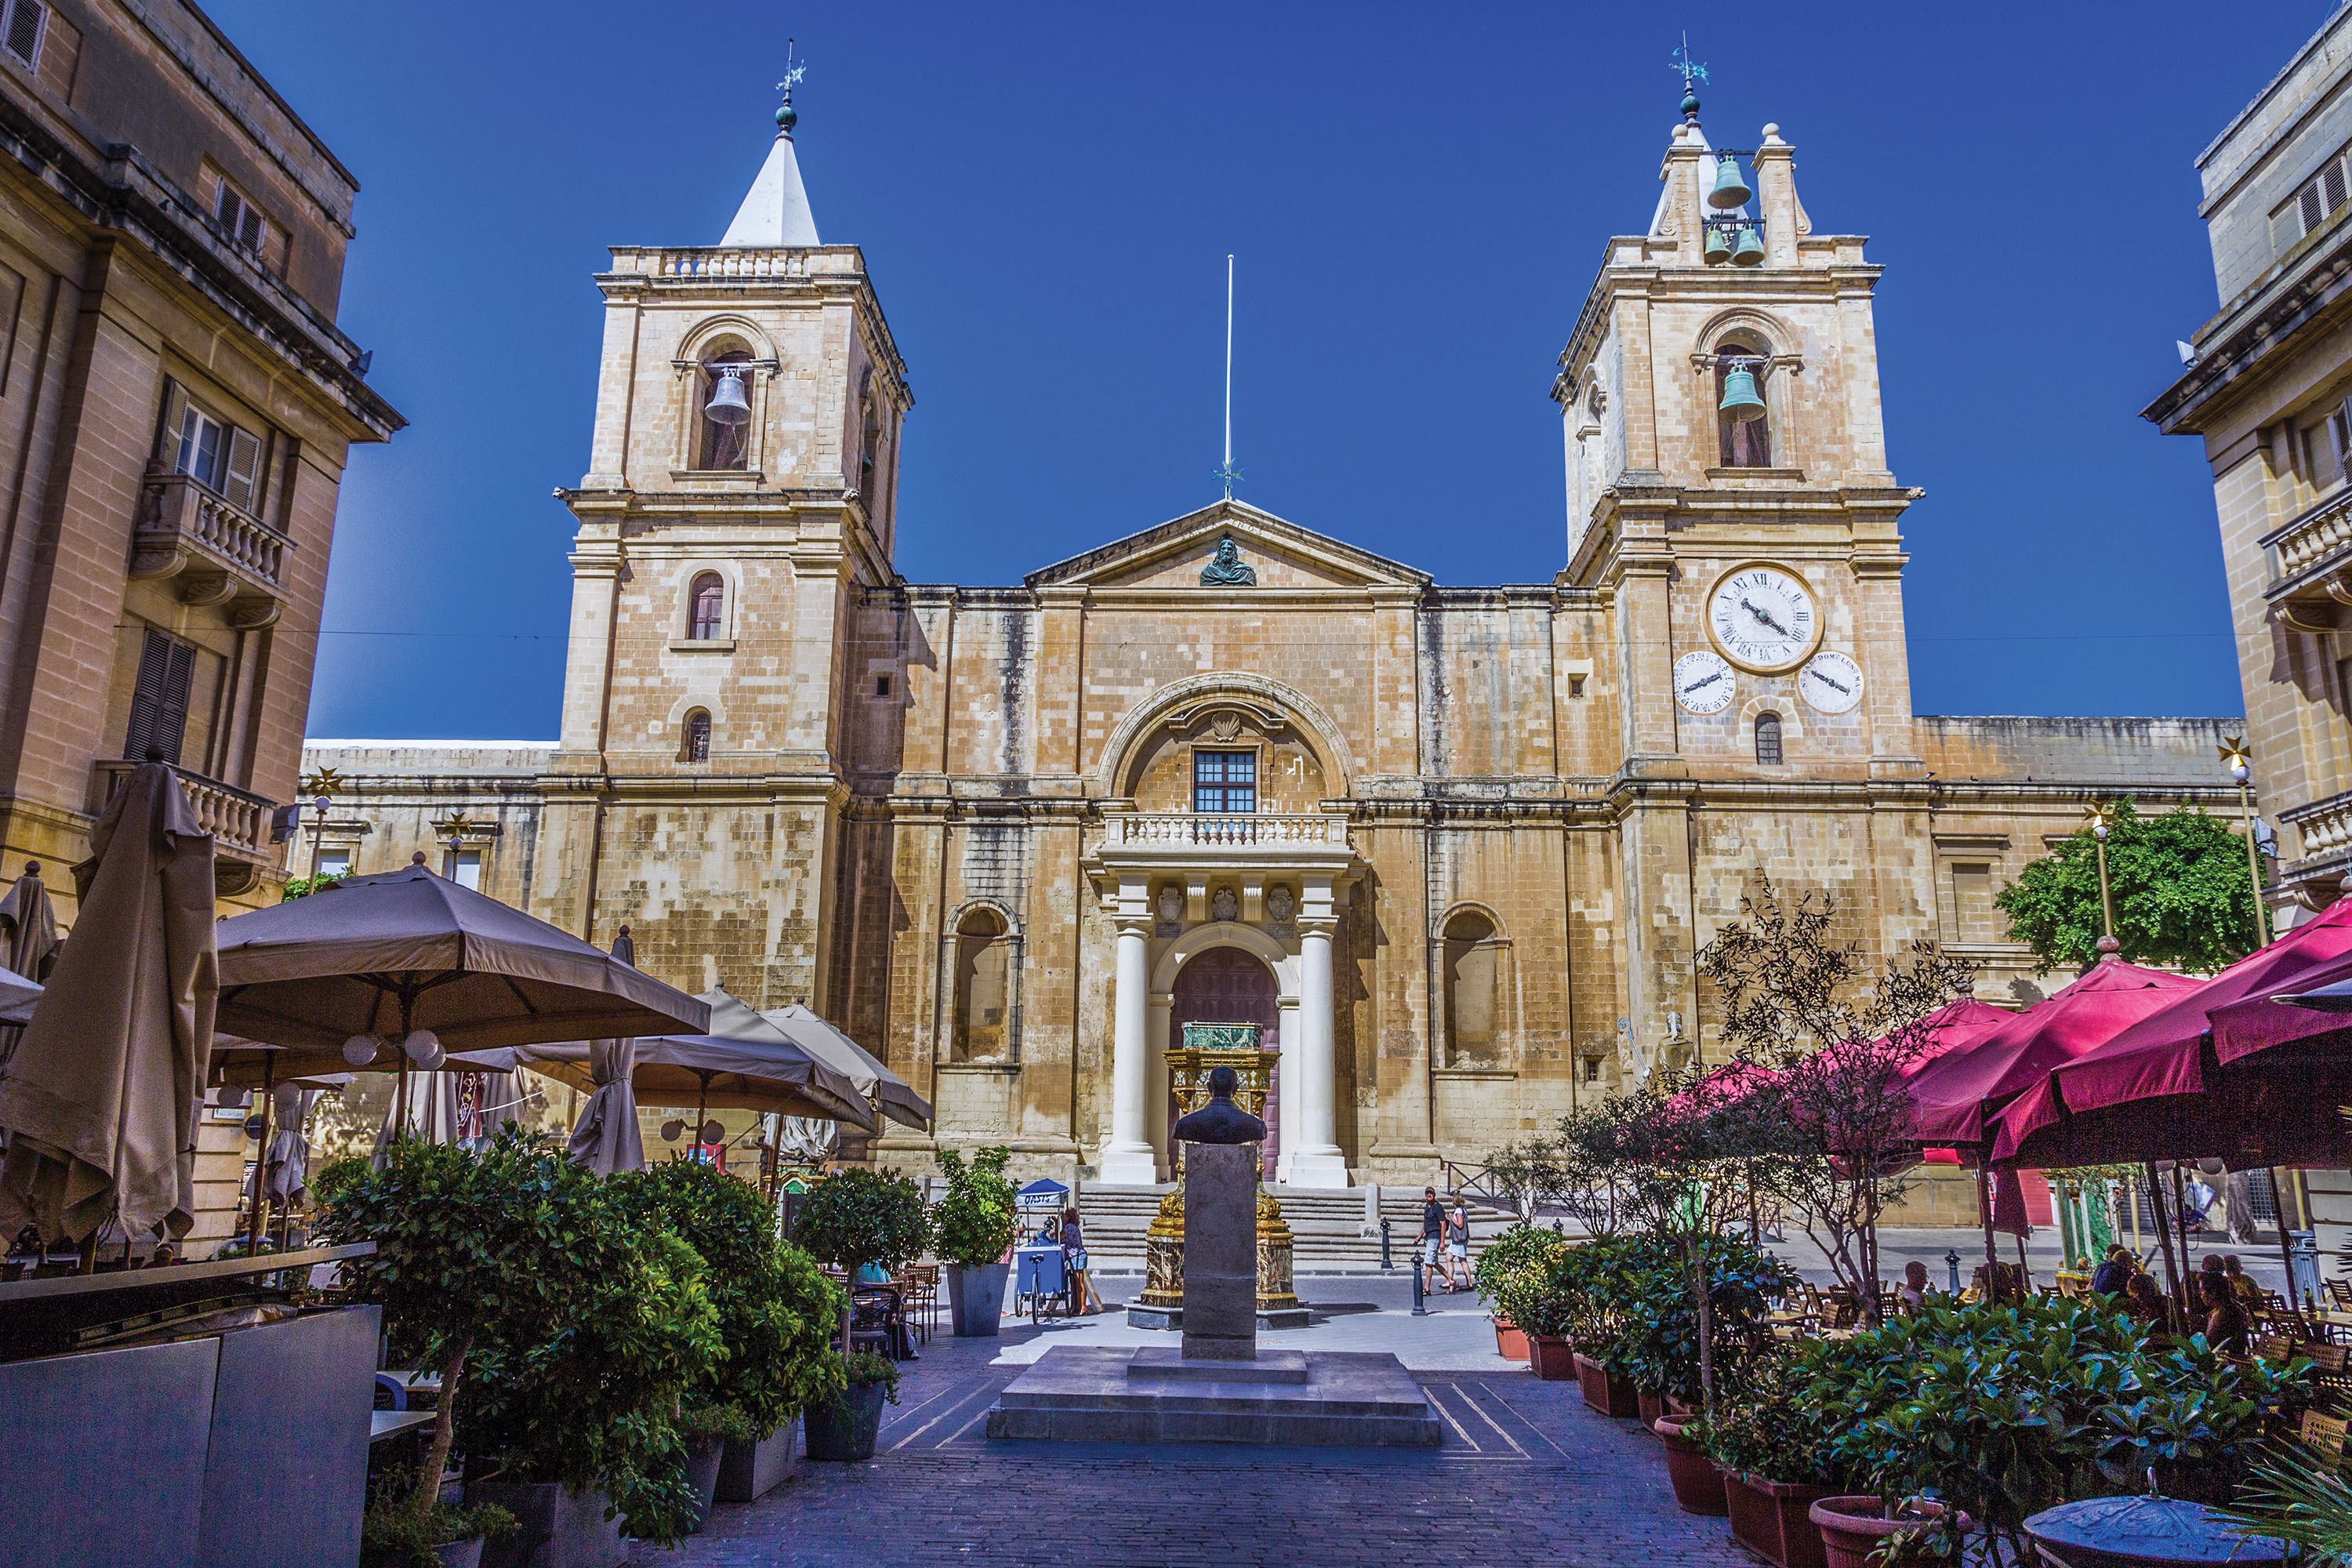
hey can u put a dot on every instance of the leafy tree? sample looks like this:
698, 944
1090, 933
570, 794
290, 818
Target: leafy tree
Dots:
856, 1216
974, 1221
564, 1330
775, 1308
2178, 883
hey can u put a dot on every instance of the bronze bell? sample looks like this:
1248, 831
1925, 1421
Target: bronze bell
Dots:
727, 405
1741, 401
1730, 191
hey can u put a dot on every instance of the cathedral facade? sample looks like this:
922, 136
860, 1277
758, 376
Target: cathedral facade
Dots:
1453, 848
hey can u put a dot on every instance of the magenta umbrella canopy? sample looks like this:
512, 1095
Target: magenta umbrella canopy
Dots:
1954, 1097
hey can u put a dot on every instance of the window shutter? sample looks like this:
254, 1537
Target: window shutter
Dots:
26, 18
159, 704
2331, 182
60, 53
250, 229
175, 410
242, 480
2314, 215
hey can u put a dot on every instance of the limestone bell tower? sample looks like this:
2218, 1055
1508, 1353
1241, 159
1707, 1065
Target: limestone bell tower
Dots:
1729, 497
740, 497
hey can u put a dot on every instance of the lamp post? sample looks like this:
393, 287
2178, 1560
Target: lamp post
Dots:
322, 785
2241, 763
2107, 944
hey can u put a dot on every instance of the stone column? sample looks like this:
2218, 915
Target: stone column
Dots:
1220, 1252
1318, 1161
1127, 1158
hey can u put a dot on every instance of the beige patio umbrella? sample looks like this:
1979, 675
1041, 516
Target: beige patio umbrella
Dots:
884, 1089
457, 1103
99, 1103
17, 995
607, 1139
412, 957
28, 937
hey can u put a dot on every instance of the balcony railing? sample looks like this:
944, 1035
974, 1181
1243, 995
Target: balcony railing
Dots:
218, 553
2311, 566
1212, 830
715, 261
238, 822
2324, 826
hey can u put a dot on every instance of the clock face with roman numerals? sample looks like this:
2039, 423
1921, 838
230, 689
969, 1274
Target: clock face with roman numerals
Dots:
1763, 618
1831, 681
1702, 682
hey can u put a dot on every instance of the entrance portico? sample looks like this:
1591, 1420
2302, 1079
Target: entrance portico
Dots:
1181, 884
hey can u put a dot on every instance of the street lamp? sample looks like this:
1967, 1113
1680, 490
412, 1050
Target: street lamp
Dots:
322, 785
2107, 944
2241, 763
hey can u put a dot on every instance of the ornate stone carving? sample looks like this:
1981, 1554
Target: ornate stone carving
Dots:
1226, 569
1172, 903
1224, 905
1281, 903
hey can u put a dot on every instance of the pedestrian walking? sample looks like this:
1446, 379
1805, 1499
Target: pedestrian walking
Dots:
1457, 1244
1430, 1240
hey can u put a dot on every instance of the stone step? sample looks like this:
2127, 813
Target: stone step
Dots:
1334, 1230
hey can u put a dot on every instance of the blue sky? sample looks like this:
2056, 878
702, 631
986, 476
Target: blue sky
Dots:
1417, 196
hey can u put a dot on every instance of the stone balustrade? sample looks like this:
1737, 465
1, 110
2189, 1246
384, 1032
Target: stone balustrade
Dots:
1212, 830
718, 262
2324, 826
238, 822
219, 552
2311, 566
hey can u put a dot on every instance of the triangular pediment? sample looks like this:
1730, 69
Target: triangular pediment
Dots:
1278, 555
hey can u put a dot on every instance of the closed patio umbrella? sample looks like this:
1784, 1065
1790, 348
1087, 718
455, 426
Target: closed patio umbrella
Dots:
17, 995
607, 1139
884, 1089
28, 940
100, 1101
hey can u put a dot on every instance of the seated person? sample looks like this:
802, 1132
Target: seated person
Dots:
1913, 1292
2143, 1302
2114, 1272
2241, 1284
2225, 1320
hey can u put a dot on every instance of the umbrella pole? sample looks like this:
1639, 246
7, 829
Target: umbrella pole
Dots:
253, 1224
701, 1110
2286, 1247
1984, 1201
2163, 1229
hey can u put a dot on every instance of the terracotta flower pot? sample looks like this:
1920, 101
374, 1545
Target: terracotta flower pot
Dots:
1697, 1480
1851, 1528
1773, 1519
1550, 1358
1510, 1342
1652, 1405
1609, 1396
1676, 1406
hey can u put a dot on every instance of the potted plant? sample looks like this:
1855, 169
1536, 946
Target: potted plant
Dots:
856, 1219
1545, 1301
1864, 1533
972, 1228
1696, 1479
843, 1427
1768, 1438
394, 1535
1516, 1249
565, 1331
775, 1311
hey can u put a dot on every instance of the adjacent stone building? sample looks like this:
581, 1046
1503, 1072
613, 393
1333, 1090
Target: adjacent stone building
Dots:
176, 403
1452, 847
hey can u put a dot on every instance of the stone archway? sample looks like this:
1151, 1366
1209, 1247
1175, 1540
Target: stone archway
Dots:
1231, 986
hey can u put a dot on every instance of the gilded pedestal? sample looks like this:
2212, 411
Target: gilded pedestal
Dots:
1160, 1306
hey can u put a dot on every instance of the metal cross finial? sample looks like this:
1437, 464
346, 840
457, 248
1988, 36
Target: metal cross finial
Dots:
1692, 73
1228, 475
793, 72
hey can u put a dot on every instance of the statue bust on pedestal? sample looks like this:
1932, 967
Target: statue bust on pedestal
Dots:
1221, 1225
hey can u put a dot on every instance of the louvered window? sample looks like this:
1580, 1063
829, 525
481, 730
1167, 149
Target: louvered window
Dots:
27, 20
159, 704
2317, 200
218, 455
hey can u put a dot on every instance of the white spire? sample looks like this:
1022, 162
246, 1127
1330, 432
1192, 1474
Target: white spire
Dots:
776, 211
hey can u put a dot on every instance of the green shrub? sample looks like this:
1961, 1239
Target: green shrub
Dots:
857, 1217
1511, 1251
1559, 1295
1765, 1427
393, 1535
565, 1328
775, 1320
973, 1223
1655, 1339
2007, 1409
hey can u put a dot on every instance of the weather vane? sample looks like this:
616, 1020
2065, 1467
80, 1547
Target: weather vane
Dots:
1692, 73
793, 73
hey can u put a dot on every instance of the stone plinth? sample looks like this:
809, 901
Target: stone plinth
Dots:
1220, 1252
1105, 1394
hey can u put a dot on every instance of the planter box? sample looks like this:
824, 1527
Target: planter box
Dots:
749, 1472
1510, 1342
460, 1554
1697, 1480
558, 1528
976, 1298
1851, 1528
1680, 1406
1651, 1405
702, 1458
1609, 1396
1773, 1520
844, 1427
1549, 1358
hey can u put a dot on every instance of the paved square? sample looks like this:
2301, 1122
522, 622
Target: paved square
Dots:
1526, 1475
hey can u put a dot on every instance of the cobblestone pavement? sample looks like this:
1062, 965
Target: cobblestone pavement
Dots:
1526, 1475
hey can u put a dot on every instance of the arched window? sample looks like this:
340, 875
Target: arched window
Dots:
725, 439
706, 616
983, 971
1768, 738
1741, 443
696, 745
869, 446
1474, 953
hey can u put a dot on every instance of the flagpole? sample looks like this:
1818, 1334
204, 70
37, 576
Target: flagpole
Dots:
1228, 470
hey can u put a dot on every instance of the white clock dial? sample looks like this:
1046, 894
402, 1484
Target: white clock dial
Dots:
1763, 618
1703, 682
1831, 681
